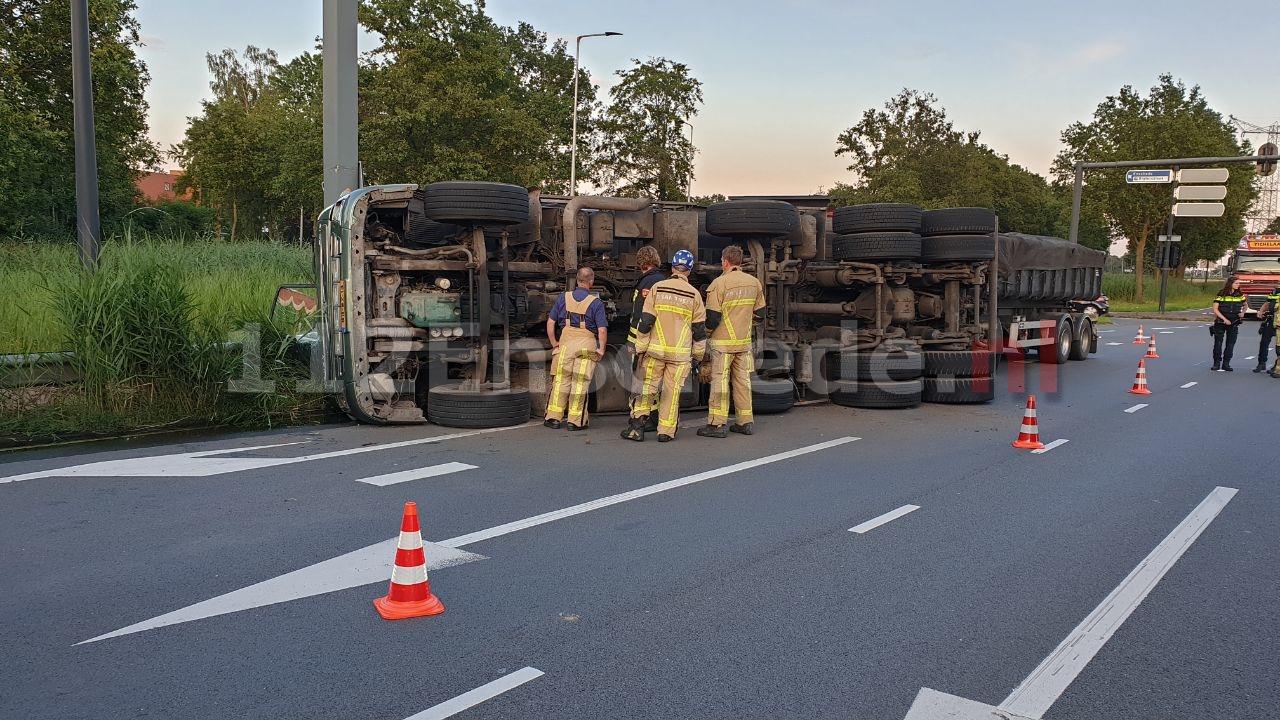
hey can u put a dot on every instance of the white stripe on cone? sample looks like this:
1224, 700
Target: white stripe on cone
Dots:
409, 576
410, 540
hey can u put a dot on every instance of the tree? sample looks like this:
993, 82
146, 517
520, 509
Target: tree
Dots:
910, 152
1272, 227
644, 151
1172, 121
37, 142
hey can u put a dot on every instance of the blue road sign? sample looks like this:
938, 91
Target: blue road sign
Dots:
1138, 177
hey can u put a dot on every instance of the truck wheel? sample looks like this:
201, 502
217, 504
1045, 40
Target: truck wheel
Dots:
958, 390
876, 246
959, 363
1083, 340
483, 203
429, 233
957, 221
770, 397
1059, 351
876, 217
870, 366
453, 406
885, 394
752, 218
957, 248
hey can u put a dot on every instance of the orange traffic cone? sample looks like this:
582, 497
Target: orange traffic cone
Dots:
1138, 339
1140, 382
1151, 348
1029, 436
410, 594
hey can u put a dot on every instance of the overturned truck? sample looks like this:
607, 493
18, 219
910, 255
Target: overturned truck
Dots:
433, 300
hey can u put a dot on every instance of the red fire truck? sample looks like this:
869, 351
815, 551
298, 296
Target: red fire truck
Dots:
1256, 262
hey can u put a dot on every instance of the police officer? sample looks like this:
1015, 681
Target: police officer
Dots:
672, 332
1228, 309
577, 350
651, 272
1267, 330
735, 301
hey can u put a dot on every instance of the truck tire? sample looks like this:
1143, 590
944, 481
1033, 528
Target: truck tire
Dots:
959, 363
876, 246
423, 231
1084, 341
1064, 339
891, 394
453, 406
876, 217
770, 397
752, 218
957, 248
957, 221
480, 203
871, 366
958, 390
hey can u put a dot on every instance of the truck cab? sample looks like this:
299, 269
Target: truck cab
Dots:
1256, 263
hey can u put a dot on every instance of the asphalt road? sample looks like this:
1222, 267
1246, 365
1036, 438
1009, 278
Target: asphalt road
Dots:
736, 592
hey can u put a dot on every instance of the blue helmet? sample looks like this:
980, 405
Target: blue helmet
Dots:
682, 259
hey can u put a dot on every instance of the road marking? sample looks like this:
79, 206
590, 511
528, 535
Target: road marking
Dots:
470, 699
1037, 693
1190, 384
1115, 343
416, 474
373, 563
1050, 446
1135, 408
1106, 331
890, 516
205, 463
1159, 328
1250, 357
603, 502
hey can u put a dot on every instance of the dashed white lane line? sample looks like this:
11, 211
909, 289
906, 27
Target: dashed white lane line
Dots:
1056, 443
1166, 332
470, 699
416, 474
888, 517
1190, 384
1250, 357
1113, 343
1135, 408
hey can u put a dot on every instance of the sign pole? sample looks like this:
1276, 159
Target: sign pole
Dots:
1164, 250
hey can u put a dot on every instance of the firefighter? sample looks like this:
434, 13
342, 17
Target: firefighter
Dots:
577, 350
735, 301
651, 272
1267, 313
671, 333
1228, 309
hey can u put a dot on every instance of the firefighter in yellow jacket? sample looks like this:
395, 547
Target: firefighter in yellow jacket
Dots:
578, 348
735, 301
672, 335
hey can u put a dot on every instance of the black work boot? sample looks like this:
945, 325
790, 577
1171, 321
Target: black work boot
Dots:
665, 438
745, 428
715, 431
551, 423
1216, 367
634, 430
1261, 366
651, 422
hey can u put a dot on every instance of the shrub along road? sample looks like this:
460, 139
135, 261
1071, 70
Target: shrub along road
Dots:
719, 578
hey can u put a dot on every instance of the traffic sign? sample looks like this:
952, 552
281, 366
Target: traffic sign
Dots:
1199, 209
1140, 177
1170, 238
1200, 192
1203, 175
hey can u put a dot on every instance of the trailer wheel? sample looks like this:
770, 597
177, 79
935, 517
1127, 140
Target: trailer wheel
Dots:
885, 394
770, 397
453, 406
959, 363
1060, 350
870, 366
957, 221
752, 218
481, 203
958, 390
957, 248
1084, 339
876, 217
876, 246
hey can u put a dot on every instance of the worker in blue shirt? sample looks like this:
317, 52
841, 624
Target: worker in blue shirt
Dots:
577, 328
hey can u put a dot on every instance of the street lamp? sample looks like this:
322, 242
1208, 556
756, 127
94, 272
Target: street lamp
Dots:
573, 150
688, 187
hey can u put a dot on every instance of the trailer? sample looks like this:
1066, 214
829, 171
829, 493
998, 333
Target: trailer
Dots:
432, 300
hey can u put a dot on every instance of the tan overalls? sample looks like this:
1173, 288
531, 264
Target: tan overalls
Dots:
736, 296
573, 364
668, 349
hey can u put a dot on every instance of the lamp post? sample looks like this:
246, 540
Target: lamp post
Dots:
688, 185
573, 150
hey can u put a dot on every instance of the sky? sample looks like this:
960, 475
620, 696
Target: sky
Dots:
781, 80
